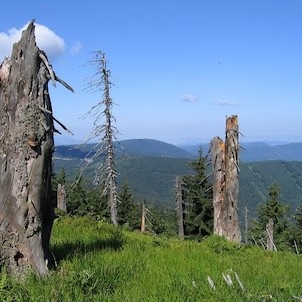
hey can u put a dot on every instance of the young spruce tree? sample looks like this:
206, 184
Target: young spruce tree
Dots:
197, 197
128, 211
278, 212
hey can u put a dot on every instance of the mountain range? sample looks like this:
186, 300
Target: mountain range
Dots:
258, 151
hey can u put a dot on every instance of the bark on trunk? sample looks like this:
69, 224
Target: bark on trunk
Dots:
218, 167
26, 146
61, 198
232, 178
270, 236
225, 167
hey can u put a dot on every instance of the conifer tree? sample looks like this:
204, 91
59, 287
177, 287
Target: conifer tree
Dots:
296, 230
197, 196
278, 212
128, 211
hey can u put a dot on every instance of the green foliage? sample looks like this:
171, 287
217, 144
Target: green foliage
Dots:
256, 177
82, 199
295, 236
219, 244
152, 179
128, 211
278, 212
198, 200
161, 222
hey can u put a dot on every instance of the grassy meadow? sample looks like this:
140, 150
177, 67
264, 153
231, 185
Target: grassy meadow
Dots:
99, 262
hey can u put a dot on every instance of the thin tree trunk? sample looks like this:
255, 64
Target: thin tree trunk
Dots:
246, 225
181, 233
26, 146
61, 198
270, 236
143, 220
111, 178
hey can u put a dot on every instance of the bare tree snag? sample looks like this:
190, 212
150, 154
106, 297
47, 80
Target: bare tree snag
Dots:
26, 146
270, 236
232, 177
105, 131
61, 198
225, 166
181, 233
143, 219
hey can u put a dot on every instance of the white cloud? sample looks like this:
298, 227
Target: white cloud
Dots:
47, 40
225, 103
190, 98
76, 48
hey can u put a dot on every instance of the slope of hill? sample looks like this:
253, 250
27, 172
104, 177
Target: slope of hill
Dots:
257, 177
150, 178
99, 262
141, 147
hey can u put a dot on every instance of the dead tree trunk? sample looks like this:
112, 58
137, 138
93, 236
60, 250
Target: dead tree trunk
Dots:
218, 167
181, 233
61, 198
225, 167
26, 146
270, 236
232, 177
143, 219
106, 132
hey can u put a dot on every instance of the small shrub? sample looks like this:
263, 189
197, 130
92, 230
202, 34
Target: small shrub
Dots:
219, 244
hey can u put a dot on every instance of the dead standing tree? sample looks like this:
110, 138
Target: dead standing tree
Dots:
218, 166
26, 146
180, 210
225, 166
105, 131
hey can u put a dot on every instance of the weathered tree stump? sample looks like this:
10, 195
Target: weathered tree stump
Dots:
225, 167
270, 236
61, 198
26, 147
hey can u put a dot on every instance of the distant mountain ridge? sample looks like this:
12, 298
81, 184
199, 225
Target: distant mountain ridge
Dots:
258, 151
133, 147
249, 152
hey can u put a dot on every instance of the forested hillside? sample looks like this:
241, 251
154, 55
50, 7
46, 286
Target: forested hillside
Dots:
153, 177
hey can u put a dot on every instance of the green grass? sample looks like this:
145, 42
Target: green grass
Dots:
99, 262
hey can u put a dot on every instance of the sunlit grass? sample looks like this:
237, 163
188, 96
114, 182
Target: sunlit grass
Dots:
99, 262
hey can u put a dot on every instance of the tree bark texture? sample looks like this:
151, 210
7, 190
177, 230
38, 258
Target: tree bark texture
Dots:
270, 236
26, 146
61, 198
218, 167
225, 167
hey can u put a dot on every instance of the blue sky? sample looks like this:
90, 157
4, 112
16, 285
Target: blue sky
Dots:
179, 67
